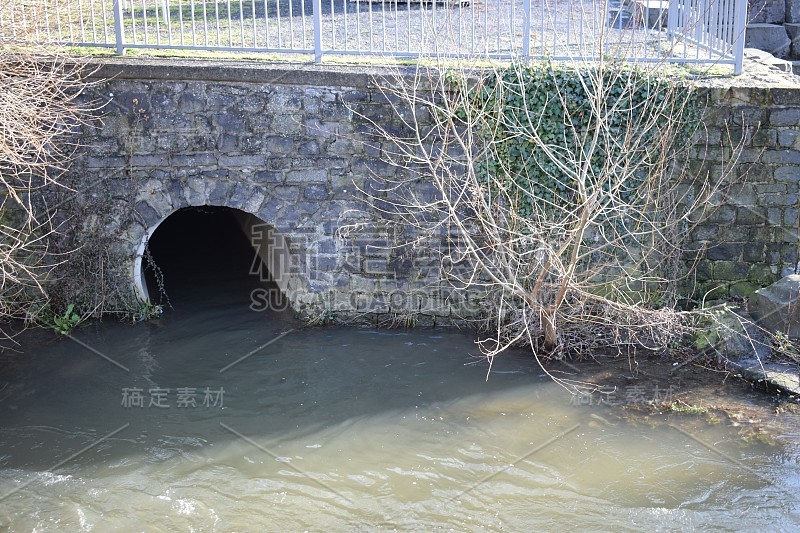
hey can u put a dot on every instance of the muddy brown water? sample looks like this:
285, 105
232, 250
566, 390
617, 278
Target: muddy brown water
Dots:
218, 418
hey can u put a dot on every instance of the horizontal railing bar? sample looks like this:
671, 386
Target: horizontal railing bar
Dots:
212, 48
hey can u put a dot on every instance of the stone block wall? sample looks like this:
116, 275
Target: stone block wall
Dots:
751, 237
291, 145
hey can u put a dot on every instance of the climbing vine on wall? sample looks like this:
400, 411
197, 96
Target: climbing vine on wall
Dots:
541, 118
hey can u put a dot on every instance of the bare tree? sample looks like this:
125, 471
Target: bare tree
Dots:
565, 189
40, 108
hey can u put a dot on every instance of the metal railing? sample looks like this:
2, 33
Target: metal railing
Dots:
684, 31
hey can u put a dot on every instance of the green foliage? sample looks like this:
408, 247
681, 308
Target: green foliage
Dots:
64, 324
542, 118
785, 346
147, 311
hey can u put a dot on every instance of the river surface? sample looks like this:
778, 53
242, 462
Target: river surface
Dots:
215, 417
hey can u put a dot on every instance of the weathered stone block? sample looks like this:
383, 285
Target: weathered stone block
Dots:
239, 161
195, 191
105, 162
730, 270
774, 216
705, 232
176, 194
307, 175
192, 102
788, 116
317, 128
143, 144
219, 193
335, 111
287, 192
704, 270
279, 145
782, 157
748, 116
779, 199
766, 11
247, 197
761, 274
777, 308
132, 100
753, 252
770, 188
793, 31
218, 102
173, 143
194, 160
741, 195
269, 210
355, 96
788, 137
756, 234
316, 192
785, 235
253, 103
268, 176
792, 13
229, 122
771, 38
260, 123
345, 147
723, 214
751, 215
789, 97
154, 160
235, 174
736, 233
283, 101
764, 137
287, 125
326, 263
250, 144
781, 253
788, 173
743, 288
309, 148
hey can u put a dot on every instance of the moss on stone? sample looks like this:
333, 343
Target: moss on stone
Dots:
744, 288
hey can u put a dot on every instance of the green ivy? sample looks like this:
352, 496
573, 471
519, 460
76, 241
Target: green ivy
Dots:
556, 101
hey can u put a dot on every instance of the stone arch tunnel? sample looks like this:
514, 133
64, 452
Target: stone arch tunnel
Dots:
199, 248
279, 156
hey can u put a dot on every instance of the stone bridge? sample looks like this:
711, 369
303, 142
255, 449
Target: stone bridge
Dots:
285, 148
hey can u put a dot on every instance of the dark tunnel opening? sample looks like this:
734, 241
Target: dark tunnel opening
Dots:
201, 256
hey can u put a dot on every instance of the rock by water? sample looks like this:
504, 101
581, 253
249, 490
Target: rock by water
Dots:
776, 308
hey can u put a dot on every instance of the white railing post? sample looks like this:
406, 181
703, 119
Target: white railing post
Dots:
739, 24
119, 35
317, 4
165, 11
526, 30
